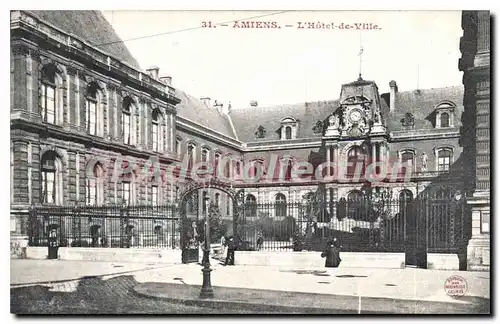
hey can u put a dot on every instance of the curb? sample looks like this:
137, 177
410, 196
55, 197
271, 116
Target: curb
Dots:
263, 308
346, 305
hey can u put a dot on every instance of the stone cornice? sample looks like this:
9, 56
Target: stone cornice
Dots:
87, 140
398, 136
23, 22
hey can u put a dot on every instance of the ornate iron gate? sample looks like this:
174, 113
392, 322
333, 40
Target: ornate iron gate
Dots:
434, 221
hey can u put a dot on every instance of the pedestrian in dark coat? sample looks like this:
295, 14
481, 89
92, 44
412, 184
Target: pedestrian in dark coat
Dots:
332, 254
231, 246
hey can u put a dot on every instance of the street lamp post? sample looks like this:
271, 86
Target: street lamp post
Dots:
206, 288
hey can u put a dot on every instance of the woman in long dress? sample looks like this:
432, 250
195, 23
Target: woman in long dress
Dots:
332, 254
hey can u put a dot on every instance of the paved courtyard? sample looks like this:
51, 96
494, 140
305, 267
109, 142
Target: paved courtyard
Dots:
46, 286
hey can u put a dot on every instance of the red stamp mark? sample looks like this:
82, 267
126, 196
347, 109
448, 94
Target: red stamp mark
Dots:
455, 286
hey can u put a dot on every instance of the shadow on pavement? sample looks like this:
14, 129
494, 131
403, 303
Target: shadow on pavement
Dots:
74, 279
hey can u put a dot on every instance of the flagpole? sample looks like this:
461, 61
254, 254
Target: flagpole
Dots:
360, 54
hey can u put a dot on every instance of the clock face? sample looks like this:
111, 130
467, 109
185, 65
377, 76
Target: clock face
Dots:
355, 116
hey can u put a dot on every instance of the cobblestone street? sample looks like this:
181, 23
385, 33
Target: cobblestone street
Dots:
89, 294
87, 287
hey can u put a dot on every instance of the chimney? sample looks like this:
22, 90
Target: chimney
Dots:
219, 106
206, 101
166, 79
394, 90
153, 72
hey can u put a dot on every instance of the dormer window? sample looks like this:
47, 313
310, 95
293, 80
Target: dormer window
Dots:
444, 114
288, 128
408, 121
318, 128
260, 132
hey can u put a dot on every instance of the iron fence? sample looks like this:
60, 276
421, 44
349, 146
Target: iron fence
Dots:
106, 226
431, 223
361, 225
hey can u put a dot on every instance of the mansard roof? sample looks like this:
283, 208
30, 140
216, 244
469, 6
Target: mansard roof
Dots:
422, 104
91, 26
198, 112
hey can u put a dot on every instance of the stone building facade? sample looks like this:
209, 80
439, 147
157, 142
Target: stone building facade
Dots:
475, 64
80, 110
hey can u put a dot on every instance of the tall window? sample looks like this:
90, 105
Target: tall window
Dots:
126, 120
126, 192
154, 195
444, 160
95, 186
445, 120
48, 94
158, 131
91, 99
407, 161
216, 163
355, 160
280, 208
178, 142
251, 203
288, 132
51, 178
191, 155
227, 166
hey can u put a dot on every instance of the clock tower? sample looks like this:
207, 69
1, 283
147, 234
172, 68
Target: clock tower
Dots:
357, 124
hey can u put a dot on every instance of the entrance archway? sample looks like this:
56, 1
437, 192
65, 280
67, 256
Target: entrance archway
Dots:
192, 212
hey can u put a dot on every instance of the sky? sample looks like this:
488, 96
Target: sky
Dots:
417, 49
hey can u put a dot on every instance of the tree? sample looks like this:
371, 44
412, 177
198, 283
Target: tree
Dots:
217, 228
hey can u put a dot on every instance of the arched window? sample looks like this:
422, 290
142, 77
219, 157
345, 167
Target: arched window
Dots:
445, 120
227, 166
280, 208
127, 121
407, 161
95, 186
49, 94
178, 142
444, 159
356, 159
92, 114
288, 128
251, 204
191, 155
51, 178
355, 203
217, 156
157, 130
